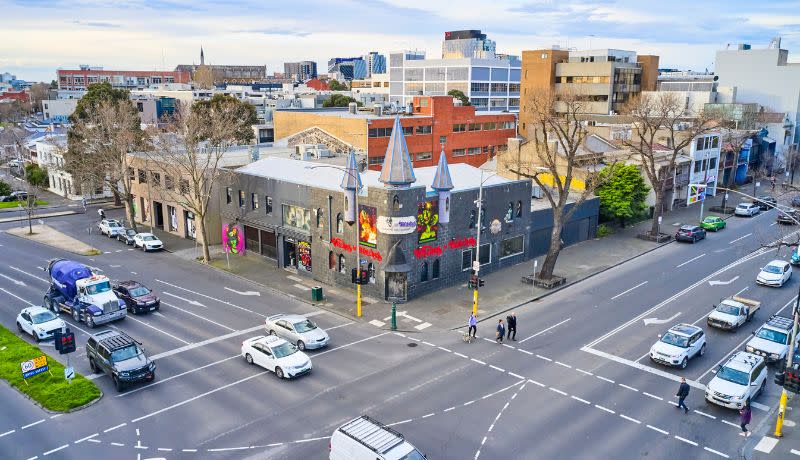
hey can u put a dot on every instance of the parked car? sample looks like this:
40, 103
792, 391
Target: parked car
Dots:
795, 260
713, 223
740, 379
119, 356
691, 233
39, 322
766, 202
771, 340
787, 215
126, 236
277, 355
796, 201
147, 241
16, 195
775, 273
137, 297
678, 345
746, 209
110, 227
364, 438
298, 330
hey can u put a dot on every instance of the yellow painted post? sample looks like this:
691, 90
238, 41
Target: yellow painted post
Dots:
358, 300
475, 302
781, 412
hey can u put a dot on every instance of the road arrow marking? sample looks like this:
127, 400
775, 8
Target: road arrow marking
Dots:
716, 283
190, 302
648, 321
256, 293
15, 281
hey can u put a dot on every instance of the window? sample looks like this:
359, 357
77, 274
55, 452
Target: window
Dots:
424, 129
474, 126
184, 186
423, 274
472, 219
499, 87
241, 198
512, 246
697, 166
435, 269
155, 177
339, 223
380, 132
254, 201
169, 183
510, 212
296, 217
479, 87
507, 125
142, 176
714, 142
459, 152
519, 208
408, 130
228, 195
268, 205
424, 156
459, 128
396, 203
320, 218
474, 151
342, 265
331, 260
468, 256
131, 174
442, 140
375, 160
140, 106
489, 126
712, 163
699, 145
513, 87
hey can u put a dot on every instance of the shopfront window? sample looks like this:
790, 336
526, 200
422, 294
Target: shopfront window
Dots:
512, 246
468, 256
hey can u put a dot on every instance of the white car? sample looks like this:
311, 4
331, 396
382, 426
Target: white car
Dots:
277, 355
747, 209
775, 273
741, 378
147, 241
771, 340
111, 228
39, 322
681, 343
298, 330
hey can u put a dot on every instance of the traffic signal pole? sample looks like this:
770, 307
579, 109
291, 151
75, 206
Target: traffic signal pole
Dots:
789, 357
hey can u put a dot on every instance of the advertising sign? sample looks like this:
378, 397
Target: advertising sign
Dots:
233, 239
34, 366
397, 225
367, 217
428, 221
304, 255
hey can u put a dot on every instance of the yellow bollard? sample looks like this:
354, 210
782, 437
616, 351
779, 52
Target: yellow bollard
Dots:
475, 302
358, 300
781, 412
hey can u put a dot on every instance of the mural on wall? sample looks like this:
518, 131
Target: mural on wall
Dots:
233, 239
304, 255
428, 220
367, 222
297, 217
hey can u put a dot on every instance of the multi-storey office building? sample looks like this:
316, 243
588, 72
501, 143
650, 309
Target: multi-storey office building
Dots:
80, 79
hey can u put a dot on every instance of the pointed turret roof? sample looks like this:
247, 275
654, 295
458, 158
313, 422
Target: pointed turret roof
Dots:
442, 180
396, 261
397, 169
351, 179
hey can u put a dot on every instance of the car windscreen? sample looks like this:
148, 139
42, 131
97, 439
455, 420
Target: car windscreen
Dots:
114, 224
675, 339
93, 289
43, 317
773, 269
128, 352
728, 309
732, 375
130, 232
772, 335
304, 326
283, 350
413, 455
139, 291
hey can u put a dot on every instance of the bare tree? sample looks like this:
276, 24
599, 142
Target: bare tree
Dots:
38, 93
662, 116
732, 142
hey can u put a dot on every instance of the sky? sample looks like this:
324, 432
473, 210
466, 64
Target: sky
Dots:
39, 36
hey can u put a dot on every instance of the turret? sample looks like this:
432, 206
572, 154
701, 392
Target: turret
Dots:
351, 184
397, 170
443, 183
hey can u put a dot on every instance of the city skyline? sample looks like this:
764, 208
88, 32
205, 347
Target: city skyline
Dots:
159, 35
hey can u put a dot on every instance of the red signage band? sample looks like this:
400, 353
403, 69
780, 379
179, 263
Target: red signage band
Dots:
371, 253
428, 251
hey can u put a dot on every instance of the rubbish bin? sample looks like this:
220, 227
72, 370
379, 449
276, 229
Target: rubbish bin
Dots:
316, 294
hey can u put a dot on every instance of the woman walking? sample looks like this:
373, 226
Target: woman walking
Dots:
744, 418
473, 326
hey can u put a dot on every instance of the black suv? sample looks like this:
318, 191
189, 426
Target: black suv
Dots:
136, 296
121, 357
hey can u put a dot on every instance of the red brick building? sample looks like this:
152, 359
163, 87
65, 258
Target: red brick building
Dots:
80, 79
21, 96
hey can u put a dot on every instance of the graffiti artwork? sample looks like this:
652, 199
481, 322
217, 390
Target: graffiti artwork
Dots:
428, 251
367, 222
233, 239
371, 253
428, 221
304, 255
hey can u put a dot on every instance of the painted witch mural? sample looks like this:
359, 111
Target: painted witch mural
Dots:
428, 220
367, 222
232, 239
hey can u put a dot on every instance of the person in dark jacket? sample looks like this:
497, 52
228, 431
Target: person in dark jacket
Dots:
501, 331
683, 392
744, 418
511, 320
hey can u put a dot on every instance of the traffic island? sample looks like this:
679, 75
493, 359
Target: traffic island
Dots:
48, 388
51, 237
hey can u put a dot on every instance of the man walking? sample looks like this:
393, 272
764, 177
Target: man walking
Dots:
501, 331
511, 320
101, 213
473, 325
683, 392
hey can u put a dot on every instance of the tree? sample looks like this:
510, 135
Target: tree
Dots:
335, 85
622, 192
11, 111
190, 149
458, 94
339, 100
658, 116
105, 129
53, 84
203, 77
37, 93
5, 188
36, 180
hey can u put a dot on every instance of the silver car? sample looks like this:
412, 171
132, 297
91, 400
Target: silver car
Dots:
747, 209
298, 330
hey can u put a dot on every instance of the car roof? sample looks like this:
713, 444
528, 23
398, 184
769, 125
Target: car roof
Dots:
745, 203
268, 340
684, 329
146, 234
34, 309
293, 318
129, 284
688, 227
712, 218
777, 262
743, 361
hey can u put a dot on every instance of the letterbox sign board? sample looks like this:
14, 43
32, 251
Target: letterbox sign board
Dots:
34, 366
397, 225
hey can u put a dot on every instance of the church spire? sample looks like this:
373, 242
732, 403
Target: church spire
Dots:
202, 57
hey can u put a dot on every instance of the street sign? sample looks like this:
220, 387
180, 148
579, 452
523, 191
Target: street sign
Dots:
476, 266
34, 366
69, 373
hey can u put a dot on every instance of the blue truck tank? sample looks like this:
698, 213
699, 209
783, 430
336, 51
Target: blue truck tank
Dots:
64, 273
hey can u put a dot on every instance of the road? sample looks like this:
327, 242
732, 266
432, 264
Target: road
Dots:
574, 384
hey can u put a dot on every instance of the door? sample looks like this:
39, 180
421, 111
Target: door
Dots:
158, 214
287, 331
396, 286
289, 253
191, 231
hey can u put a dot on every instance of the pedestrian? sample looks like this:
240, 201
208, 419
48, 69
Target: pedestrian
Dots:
83, 202
511, 320
501, 331
473, 325
101, 213
744, 418
683, 392
772, 180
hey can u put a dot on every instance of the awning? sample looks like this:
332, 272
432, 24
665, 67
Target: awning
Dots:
768, 140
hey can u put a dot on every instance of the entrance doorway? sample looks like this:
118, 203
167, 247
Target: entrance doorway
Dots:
158, 213
191, 229
289, 253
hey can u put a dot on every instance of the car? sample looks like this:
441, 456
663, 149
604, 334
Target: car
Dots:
691, 233
787, 215
110, 227
147, 241
739, 380
678, 345
16, 195
137, 297
771, 340
796, 201
39, 322
126, 236
746, 209
795, 260
277, 355
766, 202
775, 273
119, 356
298, 330
713, 223
365, 438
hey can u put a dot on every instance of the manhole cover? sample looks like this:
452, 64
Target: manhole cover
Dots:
412, 344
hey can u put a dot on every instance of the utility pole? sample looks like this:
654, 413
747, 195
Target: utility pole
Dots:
476, 265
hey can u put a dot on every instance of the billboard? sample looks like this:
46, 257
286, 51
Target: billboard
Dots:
367, 224
428, 221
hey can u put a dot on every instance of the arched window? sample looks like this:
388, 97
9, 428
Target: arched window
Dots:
435, 269
519, 208
331, 261
371, 272
339, 223
510, 212
396, 203
472, 219
423, 276
342, 267
320, 219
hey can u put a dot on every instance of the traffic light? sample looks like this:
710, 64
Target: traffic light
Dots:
473, 282
780, 378
480, 282
67, 342
363, 277
354, 276
792, 383
57, 339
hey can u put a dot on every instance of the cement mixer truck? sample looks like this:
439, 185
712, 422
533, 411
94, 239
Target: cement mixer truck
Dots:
88, 297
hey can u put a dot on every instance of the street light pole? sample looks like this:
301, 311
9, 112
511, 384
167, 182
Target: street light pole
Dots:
789, 357
477, 262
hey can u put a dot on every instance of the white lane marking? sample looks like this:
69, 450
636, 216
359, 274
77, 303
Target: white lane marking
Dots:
629, 290
445, 349
206, 342
255, 293
428, 415
198, 316
32, 424
118, 444
537, 383
509, 346
429, 344
760, 406
497, 368
724, 283
604, 408
685, 440
56, 449
164, 449
86, 438
7, 433
579, 399
466, 404
658, 429
562, 364
544, 358
740, 238
690, 260
559, 391
448, 409
626, 386
641, 367
157, 382
377, 323
796, 452
477, 361
114, 427
731, 423
17, 297
525, 351
653, 396
630, 419
583, 371
314, 313
190, 302
295, 279
515, 375
224, 449
459, 354
189, 450
301, 287
159, 330
13, 280
716, 452
706, 415
212, 298
339, 325
603, 378
544, 330
29, 274
422, 326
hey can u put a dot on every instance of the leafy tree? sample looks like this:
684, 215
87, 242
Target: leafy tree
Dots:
339, 100
458, 94
5, 189
36, 179
35, 175
335, 85
622, 192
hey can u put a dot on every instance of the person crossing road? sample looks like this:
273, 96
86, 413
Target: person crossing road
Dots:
511, 320
683, 392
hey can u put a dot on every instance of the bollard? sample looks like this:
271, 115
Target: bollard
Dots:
394, 316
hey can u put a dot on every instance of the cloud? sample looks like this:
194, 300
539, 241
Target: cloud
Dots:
98, 24
275, 31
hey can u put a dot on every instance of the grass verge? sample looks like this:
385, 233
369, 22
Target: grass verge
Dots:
53, 392
13, 204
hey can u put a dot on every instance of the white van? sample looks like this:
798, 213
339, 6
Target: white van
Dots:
366, 439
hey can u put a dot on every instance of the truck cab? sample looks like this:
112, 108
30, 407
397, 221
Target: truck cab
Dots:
732, 313
88, 297
771, 340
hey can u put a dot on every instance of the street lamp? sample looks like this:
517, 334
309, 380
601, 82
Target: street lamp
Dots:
476, 264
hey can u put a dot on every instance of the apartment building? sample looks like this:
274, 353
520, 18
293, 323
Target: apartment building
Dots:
81, 78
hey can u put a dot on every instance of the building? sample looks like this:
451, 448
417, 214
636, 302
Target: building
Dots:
58, 110
300, 71
460, 44
694, 89
152, 110
348, 68
376, 63
81, 78
377, 83
416, 230
50, 155
764, 76
435, 122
